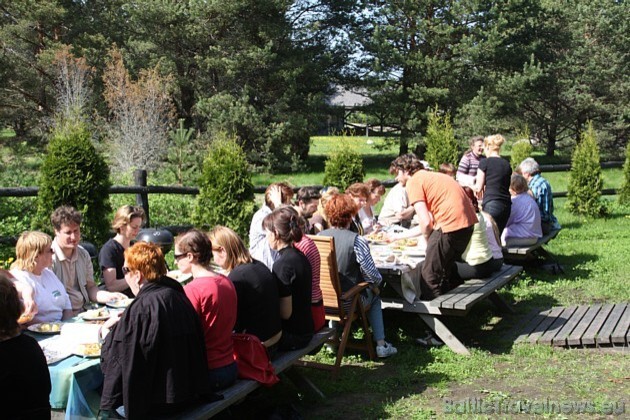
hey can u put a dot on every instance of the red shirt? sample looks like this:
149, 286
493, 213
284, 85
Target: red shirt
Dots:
214, 299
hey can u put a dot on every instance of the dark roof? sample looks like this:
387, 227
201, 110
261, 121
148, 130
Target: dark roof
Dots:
348, 98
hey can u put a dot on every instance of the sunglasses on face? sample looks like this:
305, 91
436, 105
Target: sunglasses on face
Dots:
179, 256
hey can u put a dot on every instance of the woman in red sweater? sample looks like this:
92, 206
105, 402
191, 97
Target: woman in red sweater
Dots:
214, 298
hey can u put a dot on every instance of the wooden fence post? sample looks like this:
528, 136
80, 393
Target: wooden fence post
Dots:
142, 198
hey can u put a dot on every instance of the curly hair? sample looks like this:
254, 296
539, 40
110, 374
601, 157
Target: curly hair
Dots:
226, 238
286, 193
197, 243
65, 215
408, 162
146, 258
340, 210
358, 189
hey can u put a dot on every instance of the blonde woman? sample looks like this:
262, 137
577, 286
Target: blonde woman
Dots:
493, 181
127, 223
319, 221
256, 289
34, 257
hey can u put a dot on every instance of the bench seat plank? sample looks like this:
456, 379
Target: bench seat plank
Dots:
243, 387
526, 250
491, 286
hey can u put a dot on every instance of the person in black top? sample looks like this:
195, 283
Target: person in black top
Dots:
294, 275
24, 376
154, 355
256, 288
493, 182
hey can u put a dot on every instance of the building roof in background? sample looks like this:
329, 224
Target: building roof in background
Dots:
349, 98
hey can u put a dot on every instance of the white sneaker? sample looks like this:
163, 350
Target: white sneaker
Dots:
386, 350
429, 341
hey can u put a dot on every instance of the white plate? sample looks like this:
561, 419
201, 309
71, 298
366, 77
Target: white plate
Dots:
47, 328
105, 314
119, 304
79, 352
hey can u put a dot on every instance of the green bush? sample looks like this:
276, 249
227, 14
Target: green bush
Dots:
226, 192
585, 181
343, 168
521, 150
440, 141
74, 173
624, 192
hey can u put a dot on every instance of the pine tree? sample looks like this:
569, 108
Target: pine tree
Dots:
624, 192
585, 184
440, 140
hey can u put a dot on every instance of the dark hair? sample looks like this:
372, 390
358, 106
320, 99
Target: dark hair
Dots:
408, 162
473, 140
375, 186
65, 215
473, 198
10, 306
284, 223
340, 210
197, 243
359, 189
448, 168
308, 193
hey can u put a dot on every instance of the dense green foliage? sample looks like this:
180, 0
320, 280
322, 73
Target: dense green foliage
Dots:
624, 192
343, 168
521, 150
74, 173
226, 193
585, 185
440, 141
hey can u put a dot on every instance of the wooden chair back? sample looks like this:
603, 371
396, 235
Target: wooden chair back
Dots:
329, 276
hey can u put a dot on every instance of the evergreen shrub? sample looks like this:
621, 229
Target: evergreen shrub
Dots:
226, 192
624, 192
521, 150
440, 140
585, 183
343, 168
73, 173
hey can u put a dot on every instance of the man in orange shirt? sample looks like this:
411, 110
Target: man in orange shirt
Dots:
446, 218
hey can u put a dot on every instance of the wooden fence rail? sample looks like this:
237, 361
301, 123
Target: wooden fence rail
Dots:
142, 190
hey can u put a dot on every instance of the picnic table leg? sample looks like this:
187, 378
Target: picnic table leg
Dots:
444, 334
500, 303
303, 383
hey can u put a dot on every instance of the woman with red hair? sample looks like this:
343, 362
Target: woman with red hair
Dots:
356, 265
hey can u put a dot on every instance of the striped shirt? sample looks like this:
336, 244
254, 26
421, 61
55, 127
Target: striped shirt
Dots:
469, 164
366, 262
307, 247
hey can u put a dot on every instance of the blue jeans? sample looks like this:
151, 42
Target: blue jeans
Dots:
500, 212
375, 314
221, 378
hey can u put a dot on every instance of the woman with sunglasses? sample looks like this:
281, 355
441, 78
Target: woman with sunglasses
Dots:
214, 298
34, 257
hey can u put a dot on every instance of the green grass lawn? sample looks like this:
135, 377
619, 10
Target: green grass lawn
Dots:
418, 383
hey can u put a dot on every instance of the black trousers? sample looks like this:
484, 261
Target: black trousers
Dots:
439, 271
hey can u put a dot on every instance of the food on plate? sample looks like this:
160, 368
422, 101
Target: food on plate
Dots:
89, 349
100, 313
408, 242
377, 237
46, 327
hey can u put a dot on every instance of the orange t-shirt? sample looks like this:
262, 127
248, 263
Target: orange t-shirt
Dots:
445, 199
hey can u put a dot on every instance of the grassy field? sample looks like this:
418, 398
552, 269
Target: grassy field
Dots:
418, 383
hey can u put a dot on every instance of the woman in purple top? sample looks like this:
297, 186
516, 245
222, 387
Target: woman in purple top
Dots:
523, 227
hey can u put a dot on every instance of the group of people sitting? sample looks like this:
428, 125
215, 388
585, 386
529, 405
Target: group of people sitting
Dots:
173, 344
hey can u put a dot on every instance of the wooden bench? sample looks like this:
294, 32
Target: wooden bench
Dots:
282, 364
456, 302
532, 252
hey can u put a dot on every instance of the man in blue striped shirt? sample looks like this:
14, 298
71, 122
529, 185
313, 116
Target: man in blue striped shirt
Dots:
541, 191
